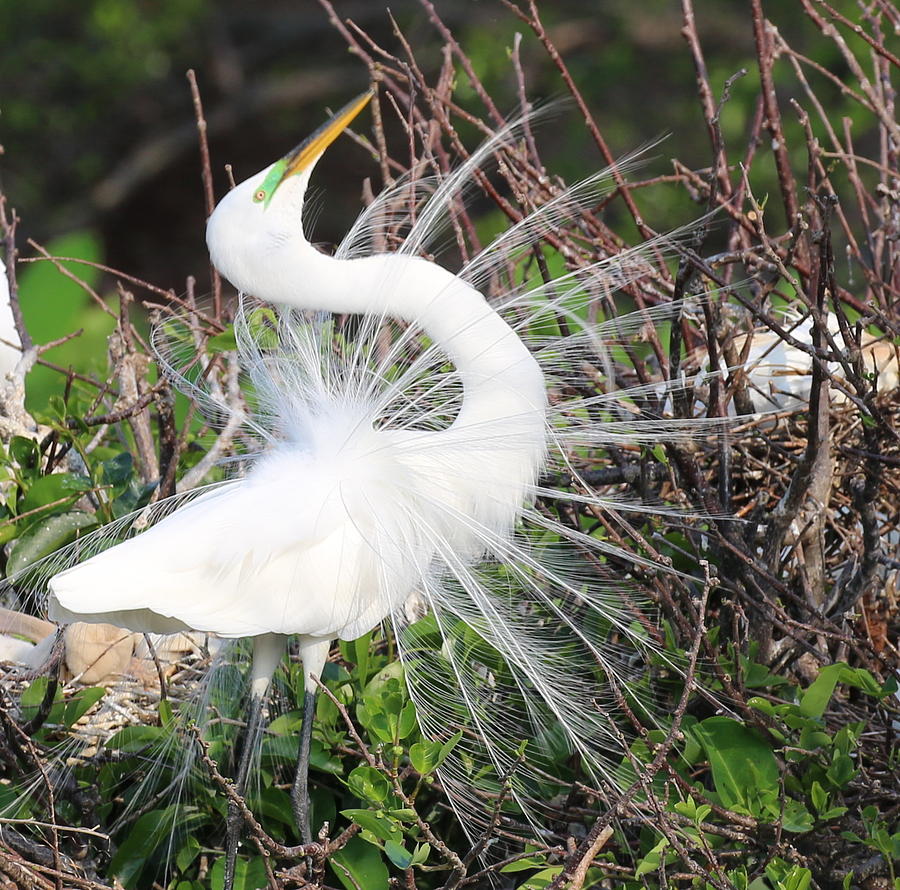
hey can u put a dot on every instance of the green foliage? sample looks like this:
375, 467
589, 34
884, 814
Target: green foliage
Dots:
55, 306
728, 767
790, 773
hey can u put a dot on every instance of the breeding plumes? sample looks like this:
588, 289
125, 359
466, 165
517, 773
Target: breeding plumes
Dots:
407, 448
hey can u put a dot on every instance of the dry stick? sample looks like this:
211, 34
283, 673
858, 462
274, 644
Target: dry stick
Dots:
57, 262
865, 83
439, 108
525, 107
840, 153
378, 125
534, 22
879, 48
163, 694
464, 230
128, 369
69, 499
845, 90
21, 872
710, 111
8, 225
458, 875
168, 442
236, 417
208, 192
348, 722
466, 63
264, 842
580, 873
440, 98
51, 796
448, 854
622, 187
120, 414
773, 114
170, 295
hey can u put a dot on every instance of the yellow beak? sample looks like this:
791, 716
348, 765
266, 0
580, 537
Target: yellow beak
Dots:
309, 151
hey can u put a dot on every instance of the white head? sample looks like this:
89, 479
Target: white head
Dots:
257, 218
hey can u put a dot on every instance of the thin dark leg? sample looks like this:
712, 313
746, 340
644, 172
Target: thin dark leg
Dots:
300, 791
235, 821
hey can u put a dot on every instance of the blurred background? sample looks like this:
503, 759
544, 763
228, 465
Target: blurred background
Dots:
98, 131
99, 142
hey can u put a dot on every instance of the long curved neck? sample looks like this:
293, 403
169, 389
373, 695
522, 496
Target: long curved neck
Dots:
502, 381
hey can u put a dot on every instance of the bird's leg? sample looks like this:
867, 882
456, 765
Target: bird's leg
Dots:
235, 820
267, 651
313, 654
300, 789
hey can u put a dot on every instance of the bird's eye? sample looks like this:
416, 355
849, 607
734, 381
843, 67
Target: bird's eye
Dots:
260, 195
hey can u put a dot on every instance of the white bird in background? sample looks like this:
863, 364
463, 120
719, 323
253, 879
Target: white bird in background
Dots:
388, 473
779, 375
10, 345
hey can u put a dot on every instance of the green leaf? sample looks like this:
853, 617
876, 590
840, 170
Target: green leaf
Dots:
80, 703
795, 817
140, 845
369, 784
815, 700
136, 495
819, 797
407, 722
359, 865
784, 877
842, 770
54, 306
134, 739
224, 342
24, 452
525, 864
31, 699
743, 766
652, 861
380, 825
426, 756
52, 488
398, 854
117, 470
833, 813
542, 879
46, 536
188, 853
361, 650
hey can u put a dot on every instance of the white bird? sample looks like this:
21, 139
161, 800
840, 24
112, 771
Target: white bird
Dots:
779, 375
10, 345
388, 473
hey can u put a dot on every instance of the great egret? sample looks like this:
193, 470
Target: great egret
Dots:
779, 375
390, 472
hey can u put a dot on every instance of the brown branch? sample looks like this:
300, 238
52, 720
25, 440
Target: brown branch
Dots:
208, 192
8, 226
764, 56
